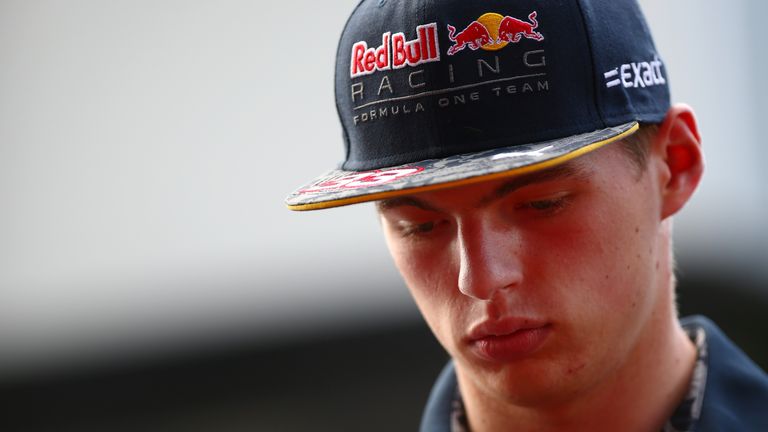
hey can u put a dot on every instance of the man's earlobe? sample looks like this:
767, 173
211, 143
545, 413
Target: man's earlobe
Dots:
678, 144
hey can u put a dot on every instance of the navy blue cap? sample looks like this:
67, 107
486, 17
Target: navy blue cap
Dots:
434, 94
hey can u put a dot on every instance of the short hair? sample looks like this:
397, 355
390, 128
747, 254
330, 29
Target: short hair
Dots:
637, 146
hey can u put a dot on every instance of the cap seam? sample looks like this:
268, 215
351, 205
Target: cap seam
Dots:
437, 133
590, 49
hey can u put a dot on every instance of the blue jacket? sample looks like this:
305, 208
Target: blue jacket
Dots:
735, 395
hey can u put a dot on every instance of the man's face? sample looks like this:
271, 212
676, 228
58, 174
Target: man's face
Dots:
539, 286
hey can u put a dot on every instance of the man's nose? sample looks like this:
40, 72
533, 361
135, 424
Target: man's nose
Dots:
489, 259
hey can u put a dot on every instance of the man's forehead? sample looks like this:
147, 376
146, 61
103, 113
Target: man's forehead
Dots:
576, 168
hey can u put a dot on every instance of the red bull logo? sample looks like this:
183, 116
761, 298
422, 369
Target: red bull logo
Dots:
396, 51
492, 32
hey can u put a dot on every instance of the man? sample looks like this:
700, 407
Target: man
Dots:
530, 219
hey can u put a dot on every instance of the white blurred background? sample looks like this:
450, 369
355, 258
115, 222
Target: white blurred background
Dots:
146, 148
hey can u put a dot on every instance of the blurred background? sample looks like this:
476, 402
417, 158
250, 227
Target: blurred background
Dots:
150, 277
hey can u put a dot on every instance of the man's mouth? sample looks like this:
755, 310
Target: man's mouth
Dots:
508, 339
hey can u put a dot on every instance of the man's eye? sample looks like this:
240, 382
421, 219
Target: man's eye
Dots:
408, 229
546, 206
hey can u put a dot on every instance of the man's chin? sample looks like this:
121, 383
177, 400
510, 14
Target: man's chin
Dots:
534, 382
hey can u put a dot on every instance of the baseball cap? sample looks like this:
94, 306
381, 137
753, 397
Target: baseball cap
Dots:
439, 93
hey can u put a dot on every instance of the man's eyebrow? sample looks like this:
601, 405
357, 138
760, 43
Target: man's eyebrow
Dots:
560, 172
404, 201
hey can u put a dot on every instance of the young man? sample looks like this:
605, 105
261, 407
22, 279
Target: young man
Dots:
530, 219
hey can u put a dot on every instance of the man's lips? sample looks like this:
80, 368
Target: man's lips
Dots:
508, 339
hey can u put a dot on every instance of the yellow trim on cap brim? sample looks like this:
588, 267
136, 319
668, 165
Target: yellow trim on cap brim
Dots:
462, 182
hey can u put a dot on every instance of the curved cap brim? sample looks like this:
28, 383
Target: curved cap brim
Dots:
338, 187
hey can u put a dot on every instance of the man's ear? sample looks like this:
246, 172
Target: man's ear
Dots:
678, 158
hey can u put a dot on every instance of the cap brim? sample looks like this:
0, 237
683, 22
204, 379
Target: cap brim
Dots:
338, 187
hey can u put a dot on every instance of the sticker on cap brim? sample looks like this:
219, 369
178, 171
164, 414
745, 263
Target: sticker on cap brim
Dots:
361, 179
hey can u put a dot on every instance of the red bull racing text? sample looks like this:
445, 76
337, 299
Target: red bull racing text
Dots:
406, 93
396, 51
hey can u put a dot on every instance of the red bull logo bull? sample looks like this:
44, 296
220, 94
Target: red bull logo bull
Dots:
475, 36
492, 32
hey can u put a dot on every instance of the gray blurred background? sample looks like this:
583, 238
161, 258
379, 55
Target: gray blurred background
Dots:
150, 277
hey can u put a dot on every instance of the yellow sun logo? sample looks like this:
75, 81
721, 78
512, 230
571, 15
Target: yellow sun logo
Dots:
491, 21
